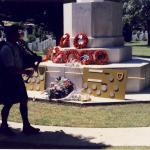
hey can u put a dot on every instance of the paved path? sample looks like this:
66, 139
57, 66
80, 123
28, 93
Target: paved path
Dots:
66, 137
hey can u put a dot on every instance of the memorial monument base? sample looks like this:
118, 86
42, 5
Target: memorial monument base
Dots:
101, 21
138, 73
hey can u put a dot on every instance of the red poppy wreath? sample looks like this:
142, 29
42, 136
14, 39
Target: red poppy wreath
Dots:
80, 40
55, 50
100, 57
86, 57
49, 53
59, 58
72, 55
64, 41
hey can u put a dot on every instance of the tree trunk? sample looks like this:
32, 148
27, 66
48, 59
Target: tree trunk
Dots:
148, 30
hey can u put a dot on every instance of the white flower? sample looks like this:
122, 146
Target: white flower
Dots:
80, 36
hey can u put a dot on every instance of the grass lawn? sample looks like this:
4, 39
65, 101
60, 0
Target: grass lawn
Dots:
133, 115
40, 53
139, 48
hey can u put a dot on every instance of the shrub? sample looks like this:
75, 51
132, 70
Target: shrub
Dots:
127, 32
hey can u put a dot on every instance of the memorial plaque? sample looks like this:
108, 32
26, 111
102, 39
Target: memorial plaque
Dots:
37, 81
108, 83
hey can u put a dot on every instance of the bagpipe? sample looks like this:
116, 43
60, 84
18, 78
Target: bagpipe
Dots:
30, 59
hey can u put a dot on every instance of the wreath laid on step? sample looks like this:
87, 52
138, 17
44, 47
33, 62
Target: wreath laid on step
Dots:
86, 57
100, 57
64, 41
49, 53
55, 50
72, 55
52, 52
80, 40
59, 58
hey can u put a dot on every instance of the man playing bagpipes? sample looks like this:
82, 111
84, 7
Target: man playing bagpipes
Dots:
14, 61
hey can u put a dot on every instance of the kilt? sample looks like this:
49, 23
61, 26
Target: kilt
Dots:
12, 89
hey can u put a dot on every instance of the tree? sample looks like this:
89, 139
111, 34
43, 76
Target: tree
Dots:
136, 12
127, 32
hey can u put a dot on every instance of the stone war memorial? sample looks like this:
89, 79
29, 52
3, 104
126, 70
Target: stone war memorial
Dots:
91, 62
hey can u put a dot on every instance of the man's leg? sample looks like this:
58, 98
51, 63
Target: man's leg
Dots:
24, 113
4, 114
4, 129
27, 128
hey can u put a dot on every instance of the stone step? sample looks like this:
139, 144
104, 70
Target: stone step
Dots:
115, 54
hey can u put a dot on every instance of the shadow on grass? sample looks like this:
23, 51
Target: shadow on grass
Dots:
137, 60
142, 56
48, 140
136, 45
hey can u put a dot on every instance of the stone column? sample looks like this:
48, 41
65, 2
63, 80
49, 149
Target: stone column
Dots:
100, 20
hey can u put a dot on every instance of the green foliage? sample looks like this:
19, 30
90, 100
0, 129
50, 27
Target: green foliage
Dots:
38, 31
127, 32
31, 38
136, 12
131, 13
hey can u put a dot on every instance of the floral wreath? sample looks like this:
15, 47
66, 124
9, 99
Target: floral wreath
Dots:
86, 57
101, 57
80, 40
72, 55
55, 50
49, 53
64, 41
59, 58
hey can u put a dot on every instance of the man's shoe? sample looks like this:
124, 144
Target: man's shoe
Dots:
5, 130
30, 130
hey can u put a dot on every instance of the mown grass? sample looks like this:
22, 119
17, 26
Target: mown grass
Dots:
40, 53
133, 115
140, 48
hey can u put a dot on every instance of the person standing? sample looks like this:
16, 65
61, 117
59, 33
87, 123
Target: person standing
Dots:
12, 87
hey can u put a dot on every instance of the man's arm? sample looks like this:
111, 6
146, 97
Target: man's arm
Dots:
8, 60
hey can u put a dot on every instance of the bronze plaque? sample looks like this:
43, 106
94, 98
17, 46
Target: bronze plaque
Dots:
108, 83
37, 81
